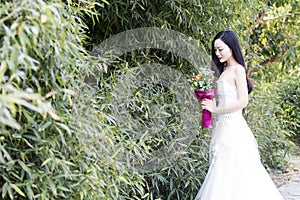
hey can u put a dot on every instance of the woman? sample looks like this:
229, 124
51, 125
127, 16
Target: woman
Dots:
235, 172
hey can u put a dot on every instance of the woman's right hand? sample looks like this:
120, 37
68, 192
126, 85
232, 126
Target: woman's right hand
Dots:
209, 105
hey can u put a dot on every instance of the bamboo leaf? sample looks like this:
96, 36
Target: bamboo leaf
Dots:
24, 167
46, 161
4, 189
17, 189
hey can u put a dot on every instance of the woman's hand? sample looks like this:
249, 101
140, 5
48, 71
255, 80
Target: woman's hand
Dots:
209, 105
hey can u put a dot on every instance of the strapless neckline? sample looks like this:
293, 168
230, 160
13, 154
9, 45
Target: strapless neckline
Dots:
225, 81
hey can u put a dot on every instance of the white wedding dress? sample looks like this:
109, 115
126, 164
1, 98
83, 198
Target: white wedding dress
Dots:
235, 172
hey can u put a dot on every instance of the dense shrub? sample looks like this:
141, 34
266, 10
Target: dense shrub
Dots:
78, 151
156, 132
261, 115
289, 101
41, 62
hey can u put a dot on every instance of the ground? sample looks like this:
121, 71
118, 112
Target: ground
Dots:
293, 170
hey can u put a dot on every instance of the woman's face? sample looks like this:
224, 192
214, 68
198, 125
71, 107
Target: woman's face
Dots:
222, 50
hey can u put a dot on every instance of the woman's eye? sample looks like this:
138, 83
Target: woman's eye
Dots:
220, 49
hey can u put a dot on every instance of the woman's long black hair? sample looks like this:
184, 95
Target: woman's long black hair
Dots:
229, 38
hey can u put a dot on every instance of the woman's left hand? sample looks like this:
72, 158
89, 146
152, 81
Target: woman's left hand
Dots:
209, 105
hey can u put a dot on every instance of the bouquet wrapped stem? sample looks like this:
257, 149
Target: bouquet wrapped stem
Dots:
205, 87
206, 115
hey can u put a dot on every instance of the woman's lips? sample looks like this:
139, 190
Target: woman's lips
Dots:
219, 58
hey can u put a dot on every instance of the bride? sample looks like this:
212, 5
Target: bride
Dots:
235, 171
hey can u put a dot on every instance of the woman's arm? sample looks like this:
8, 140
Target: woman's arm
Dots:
242, 94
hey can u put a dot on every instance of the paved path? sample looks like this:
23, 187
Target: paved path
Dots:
291, 191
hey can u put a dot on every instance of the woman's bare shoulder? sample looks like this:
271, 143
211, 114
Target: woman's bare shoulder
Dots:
239, 69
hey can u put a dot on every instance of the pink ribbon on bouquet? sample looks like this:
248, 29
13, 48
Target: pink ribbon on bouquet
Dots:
206, 115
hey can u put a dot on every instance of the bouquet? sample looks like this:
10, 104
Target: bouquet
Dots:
205, 87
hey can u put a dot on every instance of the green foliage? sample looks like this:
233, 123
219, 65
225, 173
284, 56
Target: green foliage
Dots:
152, 133
289, 114
271, 137
273, 47
41, 57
